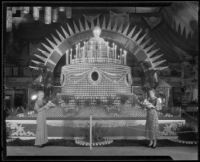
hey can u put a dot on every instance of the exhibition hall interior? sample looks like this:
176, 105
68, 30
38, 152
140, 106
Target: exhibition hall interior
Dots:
96, 64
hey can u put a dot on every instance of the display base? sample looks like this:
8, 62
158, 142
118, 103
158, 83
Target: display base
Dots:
70, 128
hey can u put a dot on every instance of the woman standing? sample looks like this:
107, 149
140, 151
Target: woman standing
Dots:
153, 104
41, 131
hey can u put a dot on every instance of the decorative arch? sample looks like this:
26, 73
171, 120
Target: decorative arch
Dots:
127, 37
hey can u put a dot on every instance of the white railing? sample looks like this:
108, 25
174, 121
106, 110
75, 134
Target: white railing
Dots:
92, 60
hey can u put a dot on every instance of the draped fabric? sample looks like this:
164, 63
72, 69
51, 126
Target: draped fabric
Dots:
113, 77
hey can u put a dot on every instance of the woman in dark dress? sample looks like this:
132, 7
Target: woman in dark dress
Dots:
152, 105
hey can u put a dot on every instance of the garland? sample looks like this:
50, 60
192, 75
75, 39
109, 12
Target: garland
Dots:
81, 141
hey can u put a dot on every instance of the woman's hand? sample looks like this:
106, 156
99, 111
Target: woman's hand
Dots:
50, 104
148, 104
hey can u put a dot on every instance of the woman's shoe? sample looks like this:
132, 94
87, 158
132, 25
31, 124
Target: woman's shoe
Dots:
154, 146
40, 146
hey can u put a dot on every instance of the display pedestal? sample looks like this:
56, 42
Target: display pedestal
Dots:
123, 128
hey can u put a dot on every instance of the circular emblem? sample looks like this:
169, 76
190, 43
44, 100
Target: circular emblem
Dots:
94, 77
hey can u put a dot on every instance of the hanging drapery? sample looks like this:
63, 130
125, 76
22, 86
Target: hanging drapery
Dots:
47, 16
61, 9
55, 15
36, 13
9, 19
68, 12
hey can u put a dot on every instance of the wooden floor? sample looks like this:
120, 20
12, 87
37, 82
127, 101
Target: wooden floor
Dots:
176, 153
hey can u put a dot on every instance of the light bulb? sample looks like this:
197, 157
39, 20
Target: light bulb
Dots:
97, 31
34, 97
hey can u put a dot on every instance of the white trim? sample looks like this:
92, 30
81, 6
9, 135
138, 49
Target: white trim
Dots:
83, 120
109, 137
28, 138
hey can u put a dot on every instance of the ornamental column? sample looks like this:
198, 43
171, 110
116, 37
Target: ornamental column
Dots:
125, 55
120, 57
67, 57
71, 56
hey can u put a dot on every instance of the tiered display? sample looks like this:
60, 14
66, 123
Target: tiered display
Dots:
96, 70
